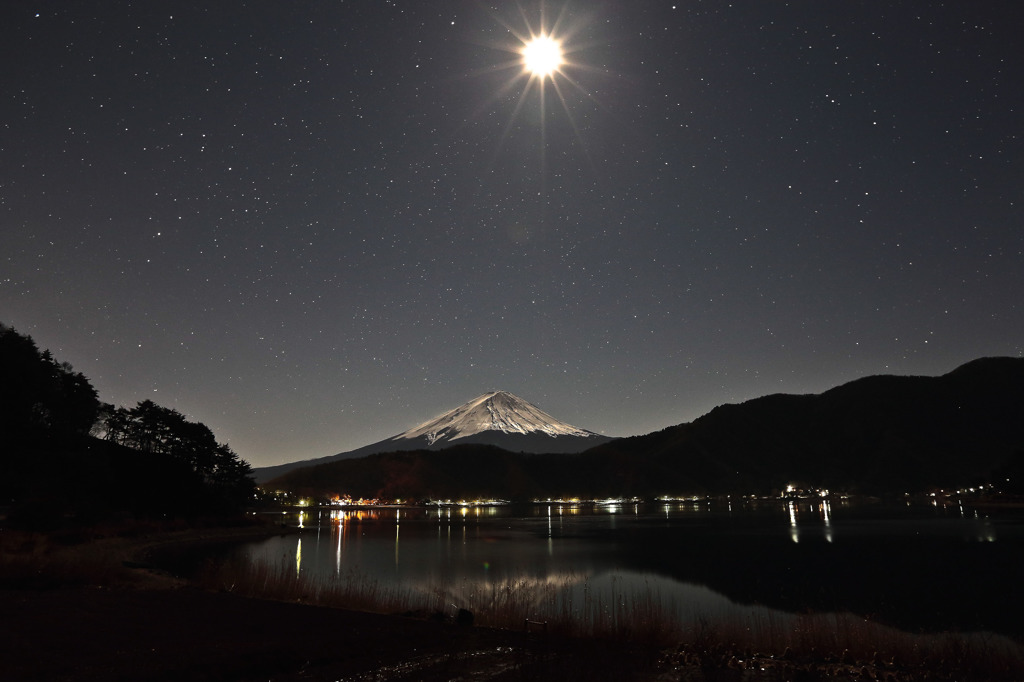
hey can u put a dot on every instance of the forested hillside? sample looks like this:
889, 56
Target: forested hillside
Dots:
68, 455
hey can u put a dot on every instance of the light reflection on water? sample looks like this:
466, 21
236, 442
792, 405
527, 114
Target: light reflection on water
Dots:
812, 513
614, 549
478, 565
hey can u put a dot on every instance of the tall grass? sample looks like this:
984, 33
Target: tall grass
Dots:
36, 561
282, 582
571, 607
103, 554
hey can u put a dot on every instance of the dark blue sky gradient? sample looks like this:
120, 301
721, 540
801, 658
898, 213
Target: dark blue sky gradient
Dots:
312, 225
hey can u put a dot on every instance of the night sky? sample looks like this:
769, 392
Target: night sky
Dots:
313, 225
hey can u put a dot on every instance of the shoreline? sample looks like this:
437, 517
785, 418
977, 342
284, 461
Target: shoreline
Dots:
139, 622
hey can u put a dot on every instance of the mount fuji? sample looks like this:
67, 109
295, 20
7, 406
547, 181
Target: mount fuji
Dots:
494, 414
494, 418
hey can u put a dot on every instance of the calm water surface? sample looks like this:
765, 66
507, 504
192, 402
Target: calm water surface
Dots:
921, 568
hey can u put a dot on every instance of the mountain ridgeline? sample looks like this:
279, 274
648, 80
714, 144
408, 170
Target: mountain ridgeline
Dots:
496, 418
876, 435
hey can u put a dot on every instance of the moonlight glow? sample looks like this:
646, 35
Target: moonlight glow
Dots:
542, 56
546, 55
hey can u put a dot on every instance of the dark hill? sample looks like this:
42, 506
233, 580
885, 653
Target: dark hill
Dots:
152, 461
879, 434
466, 471
512, 442
57, 480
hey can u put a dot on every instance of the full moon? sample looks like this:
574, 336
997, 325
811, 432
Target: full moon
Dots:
542, 56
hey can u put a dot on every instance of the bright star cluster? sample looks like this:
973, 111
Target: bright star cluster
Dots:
314, 226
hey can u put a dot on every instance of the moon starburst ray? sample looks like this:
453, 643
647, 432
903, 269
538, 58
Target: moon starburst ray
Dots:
543, 55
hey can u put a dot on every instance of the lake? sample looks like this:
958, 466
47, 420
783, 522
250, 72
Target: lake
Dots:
921, 568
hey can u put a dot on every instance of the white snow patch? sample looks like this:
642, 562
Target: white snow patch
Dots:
494, 411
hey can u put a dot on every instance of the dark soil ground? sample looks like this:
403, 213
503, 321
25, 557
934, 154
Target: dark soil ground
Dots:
91, 634
57, 623
87, 634
98, 611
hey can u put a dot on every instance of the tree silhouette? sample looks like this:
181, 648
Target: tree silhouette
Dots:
154, 429
51, 416
37, 392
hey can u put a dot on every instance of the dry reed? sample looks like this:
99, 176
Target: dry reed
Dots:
34, 560
572, 608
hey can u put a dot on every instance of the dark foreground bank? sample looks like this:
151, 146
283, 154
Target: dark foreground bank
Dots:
143, 625
186, 634
97, 610
122, 634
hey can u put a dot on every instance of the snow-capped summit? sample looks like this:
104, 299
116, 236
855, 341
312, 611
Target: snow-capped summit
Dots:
495, 418
498, 411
